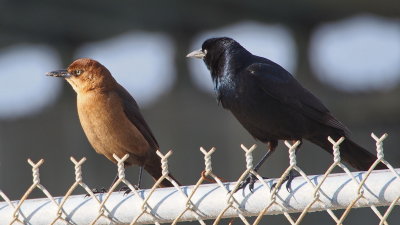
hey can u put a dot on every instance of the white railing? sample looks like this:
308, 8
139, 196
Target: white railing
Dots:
201, 202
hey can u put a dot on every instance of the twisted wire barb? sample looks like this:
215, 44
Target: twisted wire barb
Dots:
189, 205
274, 192
380, 156
336, 161
35, 184
231, 201
78, 182
103, 212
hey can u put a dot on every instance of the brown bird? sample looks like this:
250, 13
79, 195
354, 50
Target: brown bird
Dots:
111, 118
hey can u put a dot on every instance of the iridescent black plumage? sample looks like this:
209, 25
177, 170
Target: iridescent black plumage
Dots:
271, 104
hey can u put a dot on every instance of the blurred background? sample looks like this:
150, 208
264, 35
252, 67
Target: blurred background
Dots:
346, 52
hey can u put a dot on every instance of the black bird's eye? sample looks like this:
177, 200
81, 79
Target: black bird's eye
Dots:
78, 72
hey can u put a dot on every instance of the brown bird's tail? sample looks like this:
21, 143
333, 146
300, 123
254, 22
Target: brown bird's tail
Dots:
352, 153
153, 167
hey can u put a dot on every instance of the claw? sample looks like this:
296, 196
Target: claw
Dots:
97, 191
127, 189
245, 182
291, 176
251, 185
274, 185
250, 180
288, 179
289, 183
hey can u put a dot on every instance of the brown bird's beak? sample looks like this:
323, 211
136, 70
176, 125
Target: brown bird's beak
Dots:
198, 54
59, 73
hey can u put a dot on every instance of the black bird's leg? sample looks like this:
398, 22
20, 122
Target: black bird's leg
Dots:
251, 179
272, 146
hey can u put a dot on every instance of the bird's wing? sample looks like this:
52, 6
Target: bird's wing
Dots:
281, 85
132, 111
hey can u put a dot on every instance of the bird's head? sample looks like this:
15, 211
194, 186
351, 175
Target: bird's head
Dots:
84, 75
217, 52
212, 49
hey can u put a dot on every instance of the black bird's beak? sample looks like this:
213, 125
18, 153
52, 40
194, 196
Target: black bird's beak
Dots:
59, 73
198, 54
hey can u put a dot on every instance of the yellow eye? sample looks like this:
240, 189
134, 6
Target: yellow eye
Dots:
78, 72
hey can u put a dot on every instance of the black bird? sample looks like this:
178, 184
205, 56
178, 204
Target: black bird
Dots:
272, 105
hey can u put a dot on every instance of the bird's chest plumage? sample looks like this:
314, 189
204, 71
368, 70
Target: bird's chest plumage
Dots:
96, 117
236, 93
228, 91
252, 106
107, 127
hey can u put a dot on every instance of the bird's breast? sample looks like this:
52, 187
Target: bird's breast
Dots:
107, 127
228, 91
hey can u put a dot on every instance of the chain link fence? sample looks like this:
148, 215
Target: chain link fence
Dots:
209, 203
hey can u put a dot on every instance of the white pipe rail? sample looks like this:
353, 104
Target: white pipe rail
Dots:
338, 191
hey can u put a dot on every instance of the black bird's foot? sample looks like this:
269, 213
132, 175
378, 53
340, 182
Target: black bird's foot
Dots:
250, 180
292, 174
288, 179
97, 191
127, 190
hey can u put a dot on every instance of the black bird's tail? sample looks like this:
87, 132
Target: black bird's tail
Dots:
352, 153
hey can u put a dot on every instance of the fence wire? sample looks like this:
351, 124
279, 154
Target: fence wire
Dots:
202, 202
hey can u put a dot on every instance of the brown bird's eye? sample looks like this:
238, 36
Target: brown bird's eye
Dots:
78, 72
